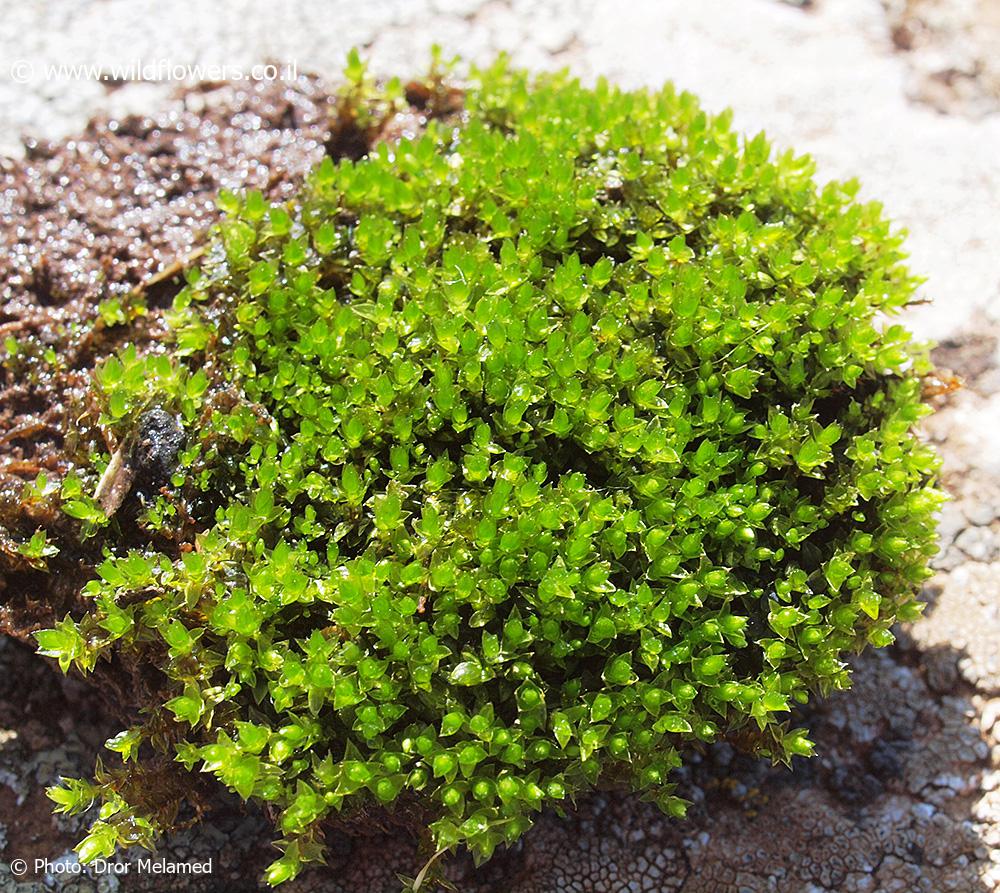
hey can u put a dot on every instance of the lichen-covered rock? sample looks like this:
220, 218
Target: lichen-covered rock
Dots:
738, 834
512, 460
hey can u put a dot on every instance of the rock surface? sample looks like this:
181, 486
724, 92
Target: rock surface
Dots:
905, 792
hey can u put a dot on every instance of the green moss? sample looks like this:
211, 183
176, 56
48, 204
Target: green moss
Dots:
525, 455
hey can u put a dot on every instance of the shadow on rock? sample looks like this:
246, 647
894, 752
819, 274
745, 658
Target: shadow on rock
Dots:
887, 805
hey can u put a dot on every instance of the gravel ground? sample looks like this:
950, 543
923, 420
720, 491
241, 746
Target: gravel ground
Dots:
905, 795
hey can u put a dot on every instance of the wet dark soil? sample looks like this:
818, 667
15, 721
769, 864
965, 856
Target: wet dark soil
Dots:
91, 219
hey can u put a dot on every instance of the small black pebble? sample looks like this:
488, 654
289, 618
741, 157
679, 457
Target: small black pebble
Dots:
160, 438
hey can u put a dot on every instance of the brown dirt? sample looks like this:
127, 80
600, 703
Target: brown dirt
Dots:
951, 47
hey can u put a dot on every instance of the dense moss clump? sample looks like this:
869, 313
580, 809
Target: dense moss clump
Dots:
520, 456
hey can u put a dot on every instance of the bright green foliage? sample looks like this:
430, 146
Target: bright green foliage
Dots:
531, 452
